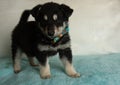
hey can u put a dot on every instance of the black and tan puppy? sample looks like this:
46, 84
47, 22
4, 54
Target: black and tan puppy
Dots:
44, 37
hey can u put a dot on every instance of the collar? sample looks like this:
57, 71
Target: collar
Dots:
56, 39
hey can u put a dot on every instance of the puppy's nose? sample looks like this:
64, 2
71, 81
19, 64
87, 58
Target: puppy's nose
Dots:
51, 33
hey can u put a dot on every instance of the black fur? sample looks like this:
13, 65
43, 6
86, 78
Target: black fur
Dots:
27, 35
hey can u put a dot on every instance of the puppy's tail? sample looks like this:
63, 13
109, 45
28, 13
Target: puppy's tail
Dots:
24, 17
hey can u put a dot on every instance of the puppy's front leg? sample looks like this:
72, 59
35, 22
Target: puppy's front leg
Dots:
45, 70
44, 66
66, 58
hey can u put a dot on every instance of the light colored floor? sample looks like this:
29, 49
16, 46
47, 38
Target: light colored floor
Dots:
94, 69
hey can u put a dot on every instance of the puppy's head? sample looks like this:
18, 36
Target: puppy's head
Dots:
52, 17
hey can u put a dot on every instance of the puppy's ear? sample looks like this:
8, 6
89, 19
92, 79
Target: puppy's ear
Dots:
35, 11
66, 10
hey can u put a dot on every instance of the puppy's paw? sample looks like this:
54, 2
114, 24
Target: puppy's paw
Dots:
31, 61
33, 64
17, 68
17, 71
71, 71
47, 76
75, 75
45, 72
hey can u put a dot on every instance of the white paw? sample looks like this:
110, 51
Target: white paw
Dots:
75, 75
17, 68
71, 71
47, 76
45, 71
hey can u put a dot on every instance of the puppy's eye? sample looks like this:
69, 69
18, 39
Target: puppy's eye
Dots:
45, 17
55, 17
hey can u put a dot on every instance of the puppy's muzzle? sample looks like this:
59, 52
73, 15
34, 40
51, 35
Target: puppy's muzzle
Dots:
51, 31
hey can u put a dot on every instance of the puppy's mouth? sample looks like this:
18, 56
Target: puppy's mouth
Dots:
54, 32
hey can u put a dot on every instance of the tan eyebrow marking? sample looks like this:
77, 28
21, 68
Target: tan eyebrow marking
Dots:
45, 17
55, 17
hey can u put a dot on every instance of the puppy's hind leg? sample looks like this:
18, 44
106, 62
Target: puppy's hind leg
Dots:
32, 61
16, 55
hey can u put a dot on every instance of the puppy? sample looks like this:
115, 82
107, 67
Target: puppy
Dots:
44, 37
